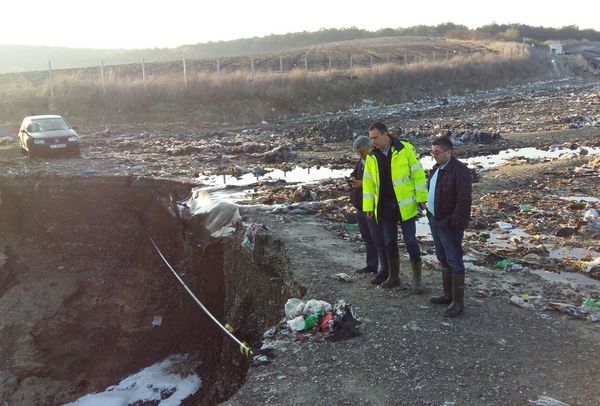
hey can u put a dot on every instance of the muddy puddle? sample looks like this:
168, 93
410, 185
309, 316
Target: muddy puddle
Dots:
232, 188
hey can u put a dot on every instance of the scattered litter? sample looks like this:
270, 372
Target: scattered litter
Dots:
502, 264
529, 302
344, 277
157, 321
504, 226
350, 227
547, 401
250, 236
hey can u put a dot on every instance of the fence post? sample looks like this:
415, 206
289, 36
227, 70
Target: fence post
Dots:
102, 77
405, 57
218, 70
350, 66
185, 84
447, 54
144, 74
305, 63
371, 63
280, 64
433, 57
387, 58
252, 68
329, 66
51, 86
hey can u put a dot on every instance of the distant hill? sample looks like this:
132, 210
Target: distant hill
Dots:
16, 58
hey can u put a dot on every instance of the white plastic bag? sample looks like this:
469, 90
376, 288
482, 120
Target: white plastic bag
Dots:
314, 306
293, 308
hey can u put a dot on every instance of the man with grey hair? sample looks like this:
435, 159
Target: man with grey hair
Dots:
362, 146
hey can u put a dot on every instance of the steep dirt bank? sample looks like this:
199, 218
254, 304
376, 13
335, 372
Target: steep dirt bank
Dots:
85, 301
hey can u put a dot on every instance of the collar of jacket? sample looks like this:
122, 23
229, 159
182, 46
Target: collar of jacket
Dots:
396, 144
451, 163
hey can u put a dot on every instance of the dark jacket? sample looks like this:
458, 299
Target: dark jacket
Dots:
453, 194
356, 194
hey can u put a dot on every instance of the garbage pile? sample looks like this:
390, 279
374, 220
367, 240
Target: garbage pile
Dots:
341, 128
317, 318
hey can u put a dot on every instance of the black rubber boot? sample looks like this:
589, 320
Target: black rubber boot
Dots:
394, 279
458, 295
417, 266
379, 278
446, 297
366, 269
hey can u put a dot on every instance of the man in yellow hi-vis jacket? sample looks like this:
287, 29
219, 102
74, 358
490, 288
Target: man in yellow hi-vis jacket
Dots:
394, 190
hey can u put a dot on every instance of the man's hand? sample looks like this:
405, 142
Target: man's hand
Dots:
355, 183
423, 205
369, 214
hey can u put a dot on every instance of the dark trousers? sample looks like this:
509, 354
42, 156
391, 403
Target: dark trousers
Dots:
448, 244
387, 231
365, 225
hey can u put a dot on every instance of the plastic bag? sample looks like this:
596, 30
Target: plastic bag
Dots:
293, 308
314, 306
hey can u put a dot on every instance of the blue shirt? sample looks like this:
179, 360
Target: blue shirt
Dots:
431, 192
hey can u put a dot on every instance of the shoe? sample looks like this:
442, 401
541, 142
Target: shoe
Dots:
379, 279
366, 269
417, 266
393, 279
446, 297
458, 295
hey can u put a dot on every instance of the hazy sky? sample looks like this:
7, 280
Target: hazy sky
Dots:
170, 23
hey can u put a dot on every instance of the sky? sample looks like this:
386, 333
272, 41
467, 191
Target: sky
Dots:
157, 24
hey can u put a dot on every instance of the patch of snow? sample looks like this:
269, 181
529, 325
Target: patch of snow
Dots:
155, 383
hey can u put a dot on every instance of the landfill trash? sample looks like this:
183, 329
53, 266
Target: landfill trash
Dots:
350, 227
314, 306
260, 360
344, 277
591, 215
580, 312
346, 321
529, 302
310, 321
502, 264
504, 226
250, 236
327, 322
156, 321
525, 208
547, 401
513, 267
591, 303
296, 324
591, 266
293, 308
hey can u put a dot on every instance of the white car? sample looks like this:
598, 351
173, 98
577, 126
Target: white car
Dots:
49, 134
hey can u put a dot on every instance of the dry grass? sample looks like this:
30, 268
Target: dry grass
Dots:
242, 97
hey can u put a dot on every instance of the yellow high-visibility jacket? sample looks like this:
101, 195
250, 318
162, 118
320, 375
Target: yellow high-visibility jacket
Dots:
408, 179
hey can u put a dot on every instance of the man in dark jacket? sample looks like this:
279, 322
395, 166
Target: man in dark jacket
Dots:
449, 210
362, 146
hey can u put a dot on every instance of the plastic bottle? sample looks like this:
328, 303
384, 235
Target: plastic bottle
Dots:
296, 324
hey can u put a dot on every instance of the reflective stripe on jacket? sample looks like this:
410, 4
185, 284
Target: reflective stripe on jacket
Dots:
408, 180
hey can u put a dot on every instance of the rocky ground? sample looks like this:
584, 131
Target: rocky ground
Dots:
523, 335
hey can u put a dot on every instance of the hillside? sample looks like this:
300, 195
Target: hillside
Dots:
16, 58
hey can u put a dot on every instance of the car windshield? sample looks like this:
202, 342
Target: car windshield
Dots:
50, 124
